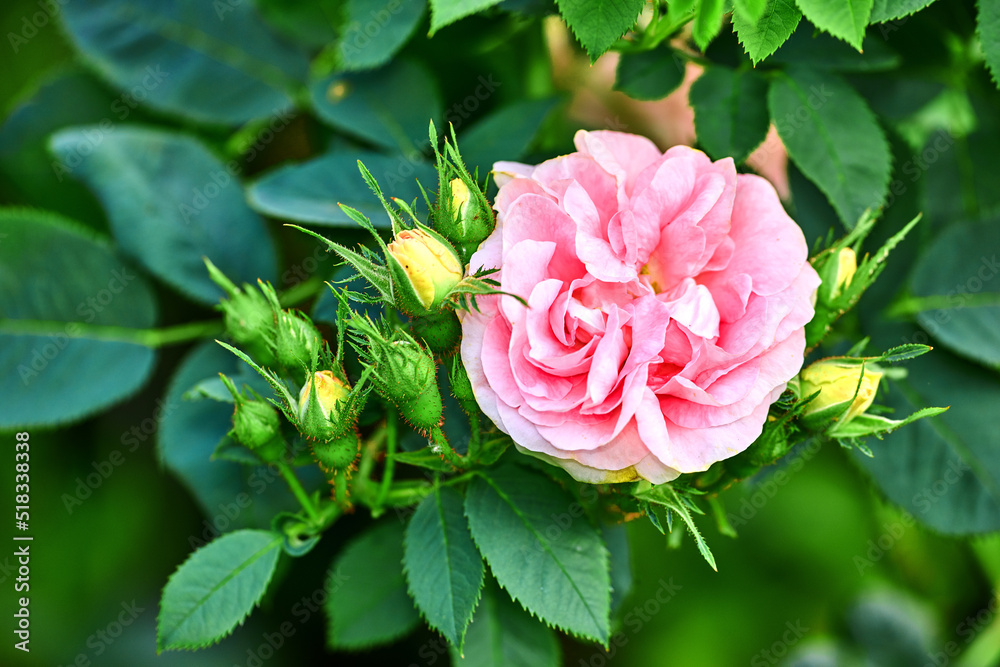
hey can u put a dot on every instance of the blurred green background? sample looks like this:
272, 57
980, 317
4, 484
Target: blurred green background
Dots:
825, 572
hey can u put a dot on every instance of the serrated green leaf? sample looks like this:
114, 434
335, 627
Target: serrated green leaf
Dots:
844, 19
64, 294
945, 470
216, 588
833, 137
446, 12
957, 291
888, 10
551, 561
752, 9
988, 28
369, 604
599, 23
170, 203
188, 59
903, 353
649, 75
730, 111
707, 22
443, 567
762, 37
504, 635
424, 458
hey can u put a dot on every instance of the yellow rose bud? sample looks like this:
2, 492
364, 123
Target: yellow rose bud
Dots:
459, 196
836, 380
431, 266
330, 390
847, 265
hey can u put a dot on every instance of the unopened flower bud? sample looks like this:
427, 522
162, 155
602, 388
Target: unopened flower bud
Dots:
248, 317
330, 390
425, 269
841, 270
837, 381
297, 341
334, 438
407, 376
256, 424
466, 220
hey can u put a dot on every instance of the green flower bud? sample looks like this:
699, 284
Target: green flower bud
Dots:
256, 424
297, 341
464, 219
441, 331
248, 317
335, 440
837, 272
425, 268
461, 386
407, 376
837, 379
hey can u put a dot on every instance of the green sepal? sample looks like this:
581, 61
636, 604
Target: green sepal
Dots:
468, 230
256, 424
867, 424
676, 502
377, 276
297, 342
830, 308
248, 316
299, 540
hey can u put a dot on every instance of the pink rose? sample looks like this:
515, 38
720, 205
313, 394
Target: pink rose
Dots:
667, 296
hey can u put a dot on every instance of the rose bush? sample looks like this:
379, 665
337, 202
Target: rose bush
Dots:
666, 298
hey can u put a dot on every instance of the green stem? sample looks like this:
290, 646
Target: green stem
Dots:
340, 488
391, 438
450, 455
300, 493
153, 338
